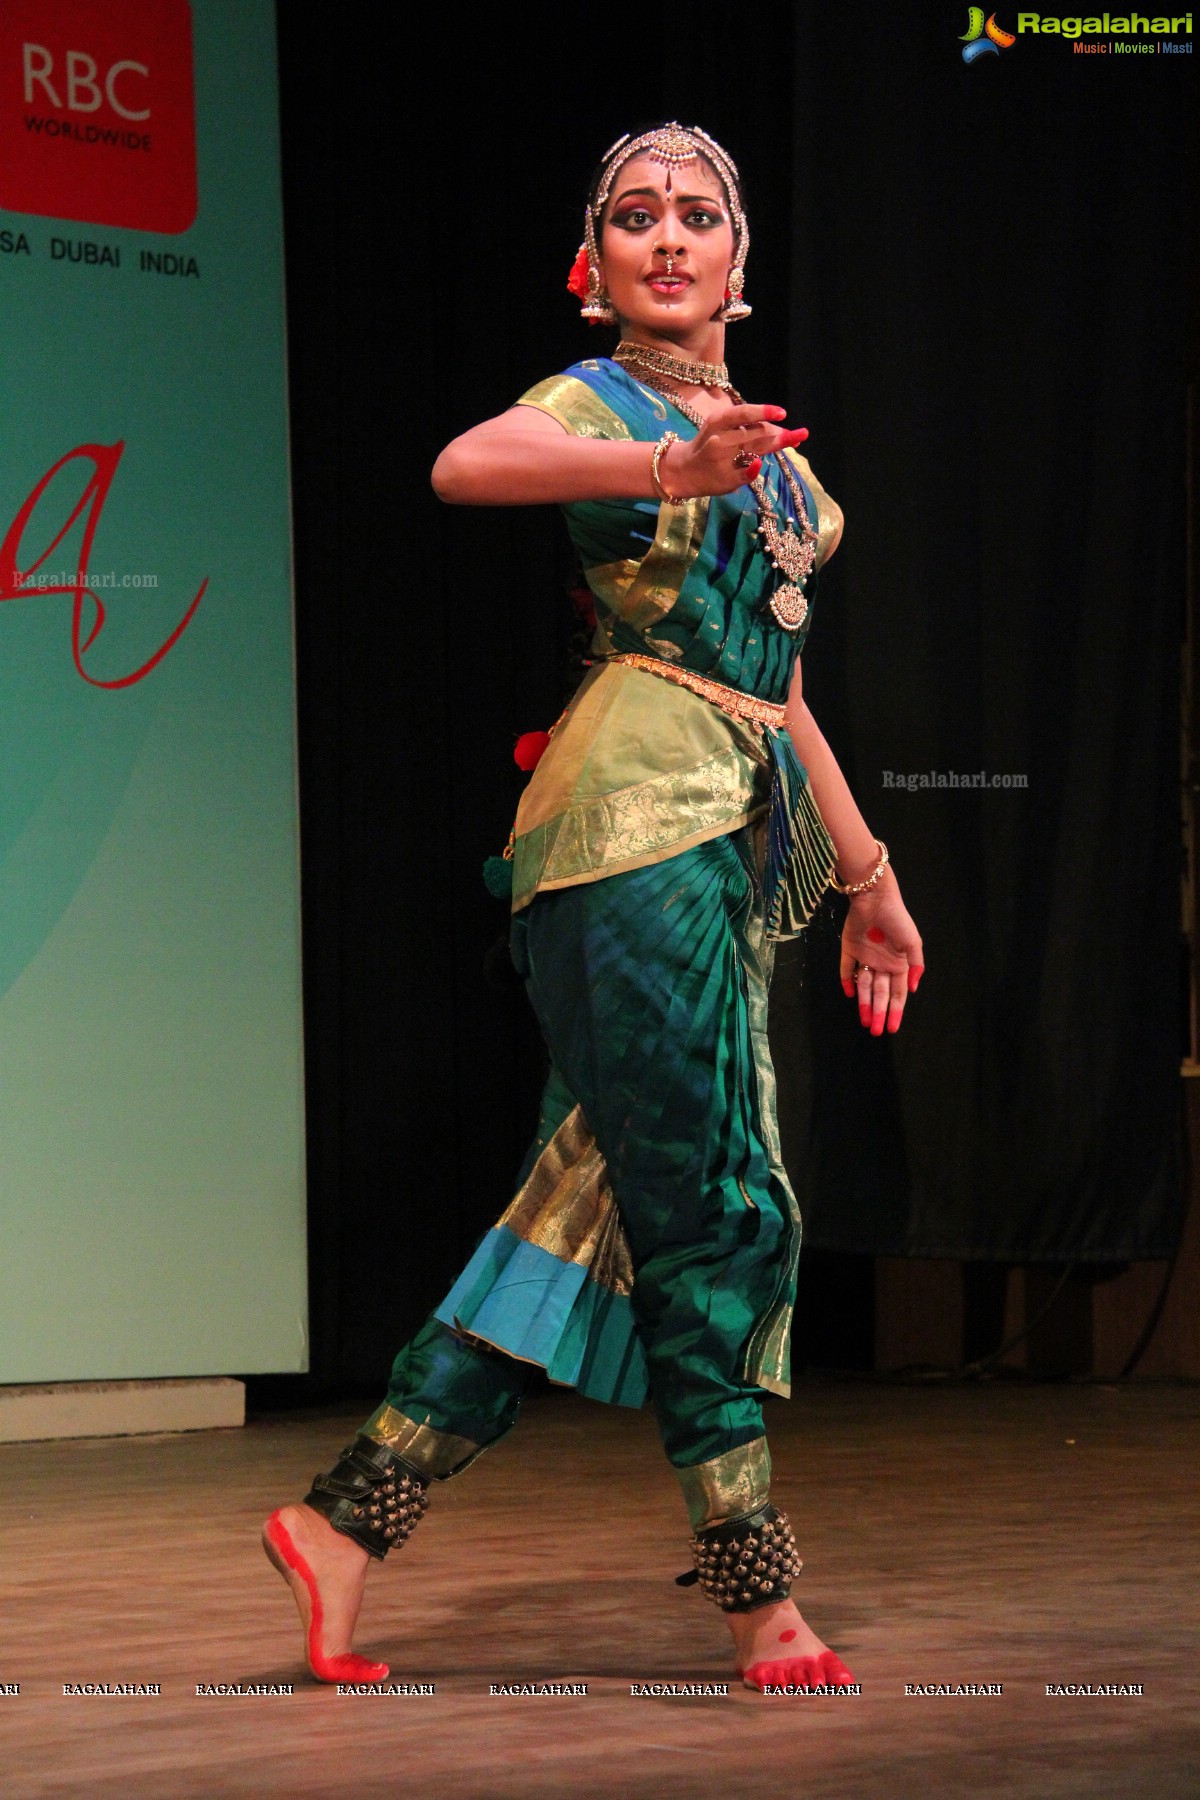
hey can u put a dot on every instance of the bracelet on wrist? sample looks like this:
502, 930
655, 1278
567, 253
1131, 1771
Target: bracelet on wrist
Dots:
862, 887
660, 449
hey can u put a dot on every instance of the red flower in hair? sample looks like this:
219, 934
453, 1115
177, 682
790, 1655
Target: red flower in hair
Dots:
577, 280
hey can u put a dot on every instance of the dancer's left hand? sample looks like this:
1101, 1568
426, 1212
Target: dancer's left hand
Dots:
882, 956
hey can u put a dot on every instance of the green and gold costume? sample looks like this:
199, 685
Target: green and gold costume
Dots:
661, 848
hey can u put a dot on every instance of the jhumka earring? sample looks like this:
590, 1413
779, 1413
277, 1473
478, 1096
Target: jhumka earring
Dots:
597, 307
735, 307
585, 283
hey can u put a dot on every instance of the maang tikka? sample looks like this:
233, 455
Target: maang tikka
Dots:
676, 147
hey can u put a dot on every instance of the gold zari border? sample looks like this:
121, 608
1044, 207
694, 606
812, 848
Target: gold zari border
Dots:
609, 833
566, 1207
729, 1486
577, 406
768, 1353
663, 570
435, 1453
830, 517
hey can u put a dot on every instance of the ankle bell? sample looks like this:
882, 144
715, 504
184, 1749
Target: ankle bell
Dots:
372, 1496
749, 1562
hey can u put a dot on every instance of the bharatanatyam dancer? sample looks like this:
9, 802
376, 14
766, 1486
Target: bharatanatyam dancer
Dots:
686, 816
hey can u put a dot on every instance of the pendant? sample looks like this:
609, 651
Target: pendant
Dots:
794, 556
789, 607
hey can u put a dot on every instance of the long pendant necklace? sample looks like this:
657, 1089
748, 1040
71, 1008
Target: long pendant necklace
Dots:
792, 553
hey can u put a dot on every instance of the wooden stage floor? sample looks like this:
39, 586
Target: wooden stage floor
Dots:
1016, 1535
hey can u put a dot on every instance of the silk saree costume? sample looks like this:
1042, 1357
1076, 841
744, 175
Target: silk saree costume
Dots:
663, 846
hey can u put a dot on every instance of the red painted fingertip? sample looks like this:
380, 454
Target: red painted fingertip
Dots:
752, 471
894, 1023
877, 1024
875, 935
775, 412
798, 436
864, 1015
914, 975
847, 987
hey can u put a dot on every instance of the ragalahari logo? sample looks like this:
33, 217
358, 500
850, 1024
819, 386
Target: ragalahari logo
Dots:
97, 112
983, 37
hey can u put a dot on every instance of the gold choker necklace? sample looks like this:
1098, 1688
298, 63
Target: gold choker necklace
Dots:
660, 362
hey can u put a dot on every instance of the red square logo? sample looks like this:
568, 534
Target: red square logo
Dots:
97, 112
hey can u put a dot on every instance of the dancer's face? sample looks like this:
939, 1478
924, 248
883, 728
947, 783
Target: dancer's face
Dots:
654, 213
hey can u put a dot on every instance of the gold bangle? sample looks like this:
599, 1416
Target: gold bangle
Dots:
861, 887
664, 444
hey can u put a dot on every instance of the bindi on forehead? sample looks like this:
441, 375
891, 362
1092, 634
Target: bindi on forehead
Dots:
696, 174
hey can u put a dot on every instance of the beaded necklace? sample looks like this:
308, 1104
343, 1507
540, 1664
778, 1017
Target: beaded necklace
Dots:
660, 362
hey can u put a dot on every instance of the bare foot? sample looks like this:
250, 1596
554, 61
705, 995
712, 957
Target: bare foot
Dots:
326, 1572
775, 1648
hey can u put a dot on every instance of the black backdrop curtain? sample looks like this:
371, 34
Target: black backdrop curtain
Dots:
971, 284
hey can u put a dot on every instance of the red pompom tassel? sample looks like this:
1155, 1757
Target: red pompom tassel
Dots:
577, 280
584, 602
529, 749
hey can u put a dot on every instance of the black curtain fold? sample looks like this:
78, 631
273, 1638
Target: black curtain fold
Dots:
972, 285
1001, 298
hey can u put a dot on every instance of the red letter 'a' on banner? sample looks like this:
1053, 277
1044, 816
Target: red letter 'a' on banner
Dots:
104, 459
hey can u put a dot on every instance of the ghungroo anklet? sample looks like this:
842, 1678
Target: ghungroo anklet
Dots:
745, 1563
372, 1496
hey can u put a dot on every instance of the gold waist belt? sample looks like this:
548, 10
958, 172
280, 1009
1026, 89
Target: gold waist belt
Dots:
730, 700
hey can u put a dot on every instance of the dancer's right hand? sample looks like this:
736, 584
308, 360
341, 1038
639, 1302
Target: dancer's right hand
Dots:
707, 463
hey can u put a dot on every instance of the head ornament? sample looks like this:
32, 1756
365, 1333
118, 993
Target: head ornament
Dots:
675, 146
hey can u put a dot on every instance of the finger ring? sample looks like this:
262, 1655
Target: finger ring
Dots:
864, 970
744, 458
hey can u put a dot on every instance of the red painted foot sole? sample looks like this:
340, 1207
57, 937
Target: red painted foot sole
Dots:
279, 1546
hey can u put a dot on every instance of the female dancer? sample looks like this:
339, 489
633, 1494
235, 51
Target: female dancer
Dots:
686, 815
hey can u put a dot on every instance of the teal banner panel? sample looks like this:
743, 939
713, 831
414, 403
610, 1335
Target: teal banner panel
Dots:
152, 1211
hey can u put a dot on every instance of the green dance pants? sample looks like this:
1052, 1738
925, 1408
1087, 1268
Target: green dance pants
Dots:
650, 988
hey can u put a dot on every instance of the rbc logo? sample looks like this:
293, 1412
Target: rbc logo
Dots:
983, 39
82, 89
97, 115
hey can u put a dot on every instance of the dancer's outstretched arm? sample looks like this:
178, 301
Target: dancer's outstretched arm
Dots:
527, 458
